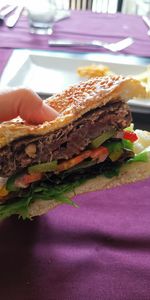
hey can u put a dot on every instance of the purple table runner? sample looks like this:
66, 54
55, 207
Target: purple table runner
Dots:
4, 56
99, 251
83, 25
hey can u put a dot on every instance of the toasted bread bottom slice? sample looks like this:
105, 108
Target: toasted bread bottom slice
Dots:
129, 173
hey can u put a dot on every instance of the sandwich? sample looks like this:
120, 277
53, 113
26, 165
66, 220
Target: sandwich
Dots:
91, 145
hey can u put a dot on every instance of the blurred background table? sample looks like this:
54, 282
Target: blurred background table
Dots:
141, 121
86, 26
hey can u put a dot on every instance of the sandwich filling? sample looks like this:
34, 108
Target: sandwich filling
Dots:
44, 167
65, 143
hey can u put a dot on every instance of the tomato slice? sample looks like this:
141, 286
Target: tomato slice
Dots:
26, 179
73, 161
99, 154
130, 135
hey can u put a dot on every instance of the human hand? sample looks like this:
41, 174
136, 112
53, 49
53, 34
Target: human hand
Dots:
26, 104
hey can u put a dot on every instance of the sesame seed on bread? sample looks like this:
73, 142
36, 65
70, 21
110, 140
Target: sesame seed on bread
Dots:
73, 103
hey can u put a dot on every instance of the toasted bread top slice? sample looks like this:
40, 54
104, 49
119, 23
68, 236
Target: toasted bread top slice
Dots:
73, 103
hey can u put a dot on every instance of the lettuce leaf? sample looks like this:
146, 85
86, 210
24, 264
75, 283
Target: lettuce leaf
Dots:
143, 156
44, 191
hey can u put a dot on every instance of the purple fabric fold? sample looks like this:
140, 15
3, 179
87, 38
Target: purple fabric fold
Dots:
100, 250
4, 56
83, 25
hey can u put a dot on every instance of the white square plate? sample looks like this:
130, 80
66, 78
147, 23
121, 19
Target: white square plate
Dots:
51, 72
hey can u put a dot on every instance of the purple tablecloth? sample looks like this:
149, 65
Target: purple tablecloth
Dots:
99, 251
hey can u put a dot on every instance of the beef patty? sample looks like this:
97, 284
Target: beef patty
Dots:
64, 143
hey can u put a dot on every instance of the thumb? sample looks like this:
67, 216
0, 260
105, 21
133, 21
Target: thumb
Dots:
33, 110
26, 104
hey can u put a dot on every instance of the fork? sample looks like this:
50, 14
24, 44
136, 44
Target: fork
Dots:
114, 47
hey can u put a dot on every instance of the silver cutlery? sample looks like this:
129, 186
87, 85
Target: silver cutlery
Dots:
147, 22
5, 11
114, 47
13, 19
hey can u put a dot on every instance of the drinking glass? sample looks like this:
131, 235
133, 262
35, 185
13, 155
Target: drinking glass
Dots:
41, 16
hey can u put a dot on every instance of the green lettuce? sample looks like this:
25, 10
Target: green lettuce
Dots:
44, 191
143, 156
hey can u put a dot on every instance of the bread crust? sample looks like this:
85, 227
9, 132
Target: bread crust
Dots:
73, 103
129, 173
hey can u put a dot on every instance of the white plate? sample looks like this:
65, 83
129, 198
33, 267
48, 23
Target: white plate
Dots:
51, 72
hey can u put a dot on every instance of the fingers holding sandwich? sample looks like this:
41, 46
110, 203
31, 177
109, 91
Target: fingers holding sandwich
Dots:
26, 104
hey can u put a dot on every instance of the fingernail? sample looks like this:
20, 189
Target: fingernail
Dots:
49, 113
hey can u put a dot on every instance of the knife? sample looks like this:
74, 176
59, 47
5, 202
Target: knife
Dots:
116, 46
147, 22
13, 19
5, 11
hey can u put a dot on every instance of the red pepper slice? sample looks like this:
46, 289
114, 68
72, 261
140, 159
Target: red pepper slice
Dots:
130, 135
